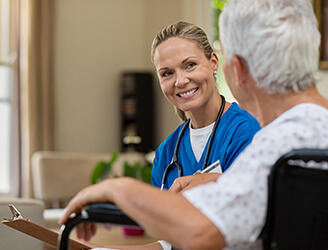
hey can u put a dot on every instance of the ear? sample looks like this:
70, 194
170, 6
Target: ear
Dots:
240, 69
214, 61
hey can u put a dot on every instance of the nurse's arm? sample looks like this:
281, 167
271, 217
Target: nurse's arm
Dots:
167, 215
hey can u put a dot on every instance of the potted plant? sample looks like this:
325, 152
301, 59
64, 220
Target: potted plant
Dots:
102, 169
136, 170
140, 172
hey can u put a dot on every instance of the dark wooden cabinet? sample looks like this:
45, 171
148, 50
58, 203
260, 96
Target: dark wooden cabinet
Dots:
137, 111
321, 11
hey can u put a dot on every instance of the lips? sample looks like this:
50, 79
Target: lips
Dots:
187, 93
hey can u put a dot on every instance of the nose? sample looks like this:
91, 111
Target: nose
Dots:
181, 79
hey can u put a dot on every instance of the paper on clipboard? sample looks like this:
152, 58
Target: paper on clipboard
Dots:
213, 168
39, 232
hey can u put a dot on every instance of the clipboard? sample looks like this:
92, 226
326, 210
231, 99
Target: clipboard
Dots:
39, 232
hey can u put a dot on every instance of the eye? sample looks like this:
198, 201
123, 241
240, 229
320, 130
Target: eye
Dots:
190, 65
166, 73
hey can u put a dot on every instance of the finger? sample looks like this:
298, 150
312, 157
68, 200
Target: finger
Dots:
87, 232
74, 206
176, 187
91, 194
70, 209
77, 203
187, 188
93, 229
108, 227
64, 218
80, 232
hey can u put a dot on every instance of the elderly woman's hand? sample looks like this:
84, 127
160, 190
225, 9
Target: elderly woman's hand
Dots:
100, 192
86, 231
187, 182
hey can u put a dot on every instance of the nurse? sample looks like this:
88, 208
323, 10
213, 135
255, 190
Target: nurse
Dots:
186, 66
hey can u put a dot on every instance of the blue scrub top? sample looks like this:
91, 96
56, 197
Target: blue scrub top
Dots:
234, 132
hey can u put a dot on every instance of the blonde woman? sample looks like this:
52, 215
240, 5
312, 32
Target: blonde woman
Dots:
213, 131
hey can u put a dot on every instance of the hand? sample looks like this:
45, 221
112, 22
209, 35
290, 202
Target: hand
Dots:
86, 231
187, 182
100, 192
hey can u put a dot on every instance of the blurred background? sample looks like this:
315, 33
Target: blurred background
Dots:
77, 86
63, 67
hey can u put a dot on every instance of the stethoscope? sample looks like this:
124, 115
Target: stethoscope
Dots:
175, 161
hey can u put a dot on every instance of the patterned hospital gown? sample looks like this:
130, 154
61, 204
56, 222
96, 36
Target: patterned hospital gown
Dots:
237, 202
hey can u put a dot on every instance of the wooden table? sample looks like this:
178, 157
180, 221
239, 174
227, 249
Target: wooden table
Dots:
116, 236
113, 237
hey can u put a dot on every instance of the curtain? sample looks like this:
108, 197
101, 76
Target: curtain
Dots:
37, 84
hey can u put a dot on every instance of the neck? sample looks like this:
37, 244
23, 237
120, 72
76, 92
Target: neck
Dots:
208, 113
266, 107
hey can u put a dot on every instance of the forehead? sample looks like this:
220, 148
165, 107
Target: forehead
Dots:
176, 48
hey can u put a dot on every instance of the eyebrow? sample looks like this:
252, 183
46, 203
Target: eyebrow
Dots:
165, 68
188, 58
183, 61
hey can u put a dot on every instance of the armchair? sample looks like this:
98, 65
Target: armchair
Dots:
49, 168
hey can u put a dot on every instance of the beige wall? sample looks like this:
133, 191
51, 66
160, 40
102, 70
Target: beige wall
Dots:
95, 40
323, 82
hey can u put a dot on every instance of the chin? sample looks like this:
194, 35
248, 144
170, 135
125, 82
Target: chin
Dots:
189, 107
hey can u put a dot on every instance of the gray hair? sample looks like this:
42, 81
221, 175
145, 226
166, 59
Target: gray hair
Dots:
278, 39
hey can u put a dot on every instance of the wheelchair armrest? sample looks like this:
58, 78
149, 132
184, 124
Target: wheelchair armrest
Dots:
108, 213
97, 213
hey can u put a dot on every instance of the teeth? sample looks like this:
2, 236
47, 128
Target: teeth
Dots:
188, 93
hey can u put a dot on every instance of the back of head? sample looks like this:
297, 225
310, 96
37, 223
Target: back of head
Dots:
278, 39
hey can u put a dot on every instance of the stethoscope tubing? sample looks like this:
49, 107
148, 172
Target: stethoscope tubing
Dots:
175, 162
208, 152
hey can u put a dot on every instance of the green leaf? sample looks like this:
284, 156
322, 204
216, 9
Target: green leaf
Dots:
145, 174
218, 4
138, 171
103, 169
129, 170
107, 170
114, 157
97, 172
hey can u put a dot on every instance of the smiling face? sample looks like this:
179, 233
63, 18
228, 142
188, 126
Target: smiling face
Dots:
185, 74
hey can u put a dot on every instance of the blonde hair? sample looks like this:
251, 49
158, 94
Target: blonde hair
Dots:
187, 31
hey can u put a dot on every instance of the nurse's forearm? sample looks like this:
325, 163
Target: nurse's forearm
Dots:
169, 216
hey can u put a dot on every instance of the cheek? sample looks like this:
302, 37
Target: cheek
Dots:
203, 75
165, 89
